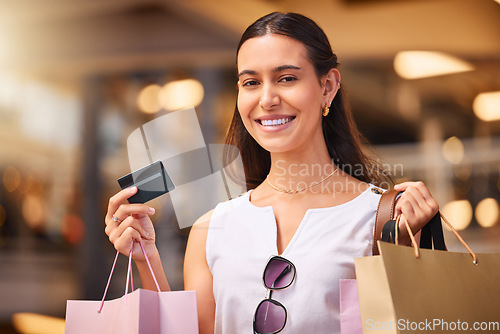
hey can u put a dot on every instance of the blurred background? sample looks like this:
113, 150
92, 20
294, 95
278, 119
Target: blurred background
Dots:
78, 76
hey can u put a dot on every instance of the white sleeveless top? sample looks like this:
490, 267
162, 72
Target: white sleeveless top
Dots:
242, 237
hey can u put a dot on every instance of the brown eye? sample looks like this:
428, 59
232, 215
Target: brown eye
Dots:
250, 83
288, 79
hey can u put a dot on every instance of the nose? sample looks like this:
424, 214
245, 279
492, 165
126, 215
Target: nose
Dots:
269, 97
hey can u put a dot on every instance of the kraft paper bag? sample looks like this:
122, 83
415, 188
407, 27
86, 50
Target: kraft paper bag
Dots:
438, 292
138, 312
350, 317
142, 312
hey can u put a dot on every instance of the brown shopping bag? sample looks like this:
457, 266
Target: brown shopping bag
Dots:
138, 312
411, 290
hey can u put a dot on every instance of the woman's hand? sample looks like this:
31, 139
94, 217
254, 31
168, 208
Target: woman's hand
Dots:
131, 223
416, 204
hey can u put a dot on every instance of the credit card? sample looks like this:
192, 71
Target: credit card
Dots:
151, 181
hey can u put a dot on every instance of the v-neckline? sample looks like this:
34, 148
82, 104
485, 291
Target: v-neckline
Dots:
270, 209
295, 234
301, 224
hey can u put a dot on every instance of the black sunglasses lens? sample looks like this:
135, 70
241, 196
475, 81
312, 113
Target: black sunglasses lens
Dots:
270, 317
278, 273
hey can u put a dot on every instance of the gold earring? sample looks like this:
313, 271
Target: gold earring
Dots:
326, 111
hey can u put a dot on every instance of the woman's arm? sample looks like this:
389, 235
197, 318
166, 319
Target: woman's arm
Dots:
134, 225
417, 205
197, 275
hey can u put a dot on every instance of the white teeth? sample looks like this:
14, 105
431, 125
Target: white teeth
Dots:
275, 122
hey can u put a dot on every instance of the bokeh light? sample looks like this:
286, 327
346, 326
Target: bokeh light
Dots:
33, 211
148, 101
453, 150
181, 94
424, 64
11, 178
486, 106
487, 212
31, 323
458, 213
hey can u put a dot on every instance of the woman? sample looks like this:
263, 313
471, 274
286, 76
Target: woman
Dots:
299, 147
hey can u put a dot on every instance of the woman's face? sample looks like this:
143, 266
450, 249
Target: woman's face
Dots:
280, 97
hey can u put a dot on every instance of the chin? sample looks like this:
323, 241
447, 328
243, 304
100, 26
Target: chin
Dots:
276, 147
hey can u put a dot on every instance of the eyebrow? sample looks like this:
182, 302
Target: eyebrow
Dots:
275, 70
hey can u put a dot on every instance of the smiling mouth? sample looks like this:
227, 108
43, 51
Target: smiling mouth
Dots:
275, 122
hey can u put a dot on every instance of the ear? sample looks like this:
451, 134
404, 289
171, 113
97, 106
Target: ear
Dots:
331, 85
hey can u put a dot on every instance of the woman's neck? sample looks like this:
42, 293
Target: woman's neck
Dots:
292, 170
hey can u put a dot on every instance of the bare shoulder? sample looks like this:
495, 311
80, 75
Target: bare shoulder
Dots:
203, 221
199, 231
195, 250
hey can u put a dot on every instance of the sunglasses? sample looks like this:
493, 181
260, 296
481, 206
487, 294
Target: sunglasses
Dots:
270, 315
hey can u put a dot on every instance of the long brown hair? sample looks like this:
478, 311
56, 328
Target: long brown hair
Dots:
343, 140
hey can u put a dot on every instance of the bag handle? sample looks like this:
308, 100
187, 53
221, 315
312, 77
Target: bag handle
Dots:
431, 233
129, 274
431, 236
385, 212
414, 243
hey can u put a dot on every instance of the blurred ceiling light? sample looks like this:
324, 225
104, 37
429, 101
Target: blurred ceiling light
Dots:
36, 323
486, 106
181, 94
453, 150
147, 101
424, 64
11, 178
459, 213
487, 212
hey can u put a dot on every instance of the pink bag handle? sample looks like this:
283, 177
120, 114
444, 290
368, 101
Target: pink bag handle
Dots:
129, 274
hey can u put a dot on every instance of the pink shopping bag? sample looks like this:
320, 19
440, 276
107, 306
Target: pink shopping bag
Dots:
138, 312
350, 316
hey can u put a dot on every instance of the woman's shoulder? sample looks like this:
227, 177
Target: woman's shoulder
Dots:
222, 207
204, 220
236, 201
359, 192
